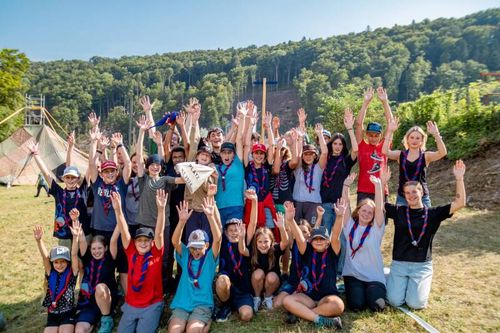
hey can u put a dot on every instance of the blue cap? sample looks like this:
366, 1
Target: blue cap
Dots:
155, 158
227, 145
327, 133
374, 127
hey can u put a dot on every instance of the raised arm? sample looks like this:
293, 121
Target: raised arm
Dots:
113, 242
392, 126
252, 224
294, 148
194, 133
382, 96
82, 241
33, 148
143, 125
181, 122
167, 139
277, 157
349, 126
161, 202
431, 156
116, 201
345, 195
379, 201
242, 246
94, 137
117, 138
147, 107
240, 118
71, 145
280, 223
158, 139
215, 228
184, 214
340, 210
367, 98
323, 157
460, 198
38, 234
250, 120
320, 211
302, 117
292, 225
77, 232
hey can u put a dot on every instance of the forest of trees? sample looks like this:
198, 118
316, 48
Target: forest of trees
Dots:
327, 73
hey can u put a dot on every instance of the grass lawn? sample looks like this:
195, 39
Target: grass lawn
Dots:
464, 297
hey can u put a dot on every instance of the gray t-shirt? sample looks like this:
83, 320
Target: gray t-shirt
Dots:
132, 201
147, 199
301, 188
367, 265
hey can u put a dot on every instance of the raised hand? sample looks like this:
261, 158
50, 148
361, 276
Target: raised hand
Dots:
71, 139
208, 206
251, 108
280, 221
276, 123
183, 211
158, 138
318, 129
382, 94
103, 141
302, 115
116, 200
161, 198
385, 175
348, 118
32, 146
459, 169
38, 232
350, 179
117, 139
180, 119
143, 123
320, 211
94, 120
432, 128
195, 116
242, 231
241, 109
340, 207
74, 214
145, 103
289, 210
375, 180
251, 195
95, 134
191, 106
268, 120
76, 229
393, 124
368, 94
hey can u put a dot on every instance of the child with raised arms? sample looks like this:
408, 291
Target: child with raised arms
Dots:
193, 302
318, 300
144, 298
61, 271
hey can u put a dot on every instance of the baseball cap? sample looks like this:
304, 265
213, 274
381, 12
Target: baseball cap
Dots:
204, 149
146, 232
259, 147
71, 171
374, 127
233, 220
309, 148
59, 252
154, 158
327, 133
321, 232
227, 145
197, 239
108, 165
215, 129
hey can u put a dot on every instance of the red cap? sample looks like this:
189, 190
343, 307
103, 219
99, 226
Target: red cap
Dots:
259, 147
108, 165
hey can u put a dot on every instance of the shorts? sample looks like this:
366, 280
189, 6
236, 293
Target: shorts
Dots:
89, 314
199, 313
287, 288
65, 318
239, 298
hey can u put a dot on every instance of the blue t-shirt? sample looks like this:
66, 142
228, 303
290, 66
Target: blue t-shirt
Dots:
188, 296
234, 179
103, 214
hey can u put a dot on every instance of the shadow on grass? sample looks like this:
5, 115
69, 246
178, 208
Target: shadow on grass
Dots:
25, 317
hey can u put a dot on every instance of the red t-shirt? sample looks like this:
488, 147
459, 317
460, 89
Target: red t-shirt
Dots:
152, 286
366, 163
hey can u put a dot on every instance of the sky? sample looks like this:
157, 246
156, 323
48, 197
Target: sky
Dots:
64, 29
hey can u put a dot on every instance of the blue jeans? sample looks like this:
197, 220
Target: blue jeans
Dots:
327, 222
410, 283
426, 200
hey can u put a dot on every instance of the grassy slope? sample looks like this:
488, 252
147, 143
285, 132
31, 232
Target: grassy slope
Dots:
464, 296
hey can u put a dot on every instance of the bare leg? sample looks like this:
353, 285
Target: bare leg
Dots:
300, 305
258, 277
330, 306
103, 298
271, 284
223, 287
176, 325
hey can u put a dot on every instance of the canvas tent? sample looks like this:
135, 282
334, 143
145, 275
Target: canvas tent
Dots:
17, 167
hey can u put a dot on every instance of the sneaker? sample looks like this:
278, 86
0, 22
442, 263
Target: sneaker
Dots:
380, 304
375, 157
256, 303
223, 314
375, 168
329, 322
290, 318
106, 324
268, 302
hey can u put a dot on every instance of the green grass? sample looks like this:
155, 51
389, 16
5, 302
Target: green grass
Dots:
464, 297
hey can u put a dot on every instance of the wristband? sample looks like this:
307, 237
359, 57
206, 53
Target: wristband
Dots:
119, 146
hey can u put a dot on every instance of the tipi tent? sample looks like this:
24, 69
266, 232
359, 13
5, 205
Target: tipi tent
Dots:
17, 167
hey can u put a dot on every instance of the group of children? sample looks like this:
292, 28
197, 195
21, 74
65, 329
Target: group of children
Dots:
270, 227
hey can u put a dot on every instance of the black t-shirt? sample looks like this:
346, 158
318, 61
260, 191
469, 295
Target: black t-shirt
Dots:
92, 275
261, 180
263, 260
65, 201
327, 286
412, 173
282, 184
331, 184
176, 196
227, 266
403, 249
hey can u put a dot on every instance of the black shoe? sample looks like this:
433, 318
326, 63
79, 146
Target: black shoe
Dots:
375, 157
291, 318
375, 168
223, 314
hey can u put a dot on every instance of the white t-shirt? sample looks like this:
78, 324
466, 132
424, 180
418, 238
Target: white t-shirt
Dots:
301, 191
367, 265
